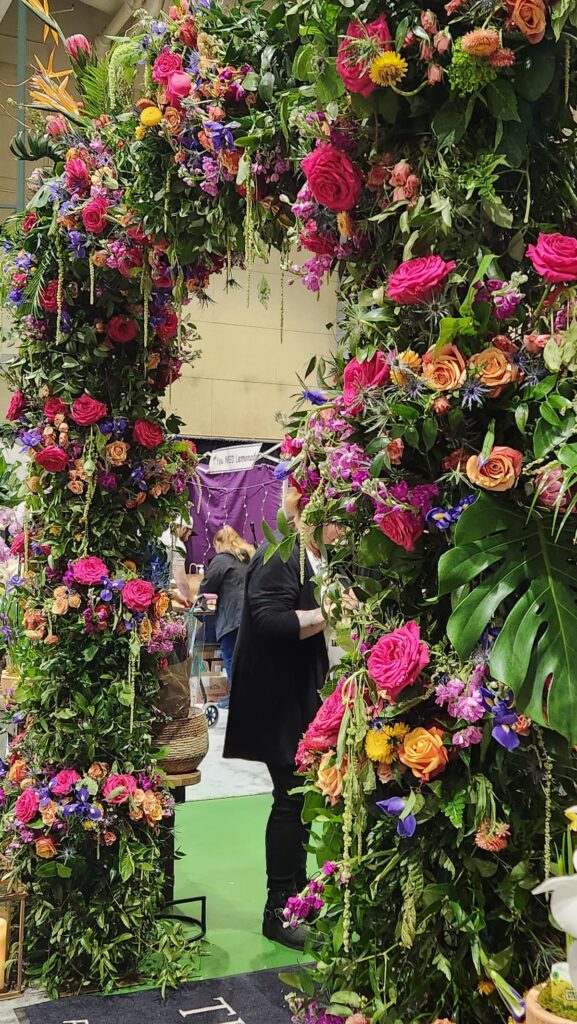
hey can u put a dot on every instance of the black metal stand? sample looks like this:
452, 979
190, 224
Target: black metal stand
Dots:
199, 922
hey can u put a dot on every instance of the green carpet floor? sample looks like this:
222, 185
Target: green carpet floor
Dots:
224, 845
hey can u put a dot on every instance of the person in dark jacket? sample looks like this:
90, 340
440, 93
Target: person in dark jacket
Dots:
225, 577
279, 667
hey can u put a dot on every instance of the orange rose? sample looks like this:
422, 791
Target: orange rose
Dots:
75, 600
160, 604
46, 848
18, 771
32, 483
172, 120
49, 813
230, 160
329, 778
117, 452
529, 16
495, 369
446, 370
60, 604
424, 753
76, 486
153, 361
98, 770
498, 472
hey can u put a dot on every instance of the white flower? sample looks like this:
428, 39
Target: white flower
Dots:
563, 891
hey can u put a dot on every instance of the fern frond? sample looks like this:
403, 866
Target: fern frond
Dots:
93, 85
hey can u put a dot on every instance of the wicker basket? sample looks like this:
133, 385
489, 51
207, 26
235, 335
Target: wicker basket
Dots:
187, 742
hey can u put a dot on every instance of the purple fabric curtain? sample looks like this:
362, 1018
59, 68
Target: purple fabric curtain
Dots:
232, 499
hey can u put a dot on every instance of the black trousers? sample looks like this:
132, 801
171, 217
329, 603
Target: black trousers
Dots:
286, 835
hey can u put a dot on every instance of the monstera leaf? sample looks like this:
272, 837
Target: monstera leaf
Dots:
511, 565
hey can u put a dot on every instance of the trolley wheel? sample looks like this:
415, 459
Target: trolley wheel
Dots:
211, 714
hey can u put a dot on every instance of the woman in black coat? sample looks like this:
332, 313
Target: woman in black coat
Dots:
279, 667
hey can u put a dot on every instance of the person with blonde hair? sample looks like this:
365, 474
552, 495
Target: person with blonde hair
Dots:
225, 577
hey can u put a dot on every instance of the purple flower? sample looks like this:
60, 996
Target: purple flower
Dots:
24, 261
282, 470
314, 397
16, 295
467, 737
504, 716
472, 393
31, 439
220, 134
77, 244
107, 481
469, 707
447, 692
329, 868
395, 807
442, 518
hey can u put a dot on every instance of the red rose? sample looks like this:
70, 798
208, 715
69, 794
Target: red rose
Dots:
168, 329
129, 261
49, 297
187, 33
26, 806
354, 71
86, 410
417, 280
52, 459
401, 526
30, 221
322, 245
555, 258
137, 595
16, 407
178, 86
333, 179
121, 329
148, 434
94, 215
89, 571
166, 64
54, 407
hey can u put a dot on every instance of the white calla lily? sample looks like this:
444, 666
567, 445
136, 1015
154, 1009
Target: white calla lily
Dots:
563, 900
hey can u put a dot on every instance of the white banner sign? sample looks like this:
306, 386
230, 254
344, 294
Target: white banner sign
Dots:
232, 460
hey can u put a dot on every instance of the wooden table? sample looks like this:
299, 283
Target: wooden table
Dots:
179, 784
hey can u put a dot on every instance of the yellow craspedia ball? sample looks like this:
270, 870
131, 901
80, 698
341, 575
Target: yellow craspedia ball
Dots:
150, 116
377, 745
139, 132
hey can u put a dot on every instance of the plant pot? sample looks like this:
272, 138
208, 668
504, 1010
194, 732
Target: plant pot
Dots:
187, 742
536, 1014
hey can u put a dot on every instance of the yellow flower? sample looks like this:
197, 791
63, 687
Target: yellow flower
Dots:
388, 68
408, 360
485, 987
345, 224
377, 745
139, 132
150, 116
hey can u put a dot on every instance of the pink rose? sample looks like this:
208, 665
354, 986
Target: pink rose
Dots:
16, 407
550, 490
77, 45
333, 179
63, 783
125, 784
323, 732
137, 595
395, 450
555, 257
86, 410
94, 215
397, 659
178, 86
52, 459
417, 280
359, 377
166, 64
148, 434
89, 571
535, 343
129, 261
76, 175
400, 173
26, 806
353, 71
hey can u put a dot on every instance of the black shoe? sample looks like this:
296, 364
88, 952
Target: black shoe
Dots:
274, 928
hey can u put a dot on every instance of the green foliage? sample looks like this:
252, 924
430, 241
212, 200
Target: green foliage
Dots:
506, 563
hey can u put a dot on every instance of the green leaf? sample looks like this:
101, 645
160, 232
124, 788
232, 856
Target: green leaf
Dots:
266, 87
521, 416
449, 124
497, 212
502, 100
346, 998
329, 85
454, 808
452, 327
534, 72
515, 569
548, 436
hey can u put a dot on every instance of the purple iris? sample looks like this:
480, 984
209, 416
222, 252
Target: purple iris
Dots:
442, 518
82, 807
24, 261
106, 594
30, 439
106, 427
314, 397
3, 769
504, 715
395, 806
116, 585
77, 244
120, 426
220, 134
16, 295
282, 470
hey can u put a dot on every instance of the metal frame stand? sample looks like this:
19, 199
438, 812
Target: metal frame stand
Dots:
199, 922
